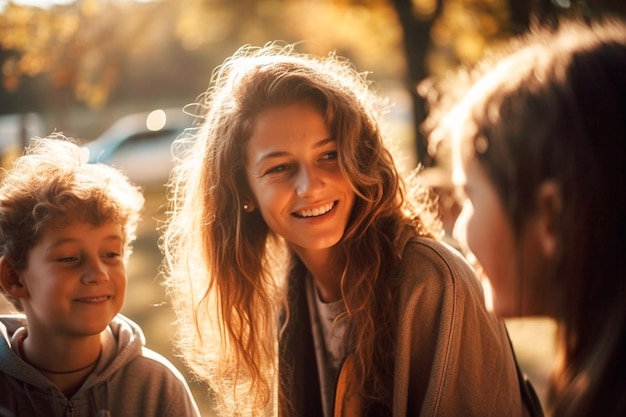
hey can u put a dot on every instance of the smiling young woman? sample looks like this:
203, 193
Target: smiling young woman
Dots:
307, 278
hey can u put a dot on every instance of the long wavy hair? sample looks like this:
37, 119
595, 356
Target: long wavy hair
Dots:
226, 270
555, 109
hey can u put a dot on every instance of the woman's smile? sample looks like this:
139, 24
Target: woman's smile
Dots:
294, 174
316, 212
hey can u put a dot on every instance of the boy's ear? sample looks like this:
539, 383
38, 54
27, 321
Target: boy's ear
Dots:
549, 208
10, 281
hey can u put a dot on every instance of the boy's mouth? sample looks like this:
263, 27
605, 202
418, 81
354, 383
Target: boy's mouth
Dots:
98, 299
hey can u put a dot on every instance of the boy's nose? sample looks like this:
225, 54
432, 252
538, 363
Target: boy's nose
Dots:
94, 274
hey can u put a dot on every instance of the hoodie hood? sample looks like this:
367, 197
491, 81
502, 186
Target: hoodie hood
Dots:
10, 362
122, 341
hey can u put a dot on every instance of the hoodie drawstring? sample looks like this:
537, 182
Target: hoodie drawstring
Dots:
102, 411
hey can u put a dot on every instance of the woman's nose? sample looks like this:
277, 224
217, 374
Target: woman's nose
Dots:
309, 181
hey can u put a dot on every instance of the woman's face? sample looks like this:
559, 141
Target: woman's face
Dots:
293, 171
512, 266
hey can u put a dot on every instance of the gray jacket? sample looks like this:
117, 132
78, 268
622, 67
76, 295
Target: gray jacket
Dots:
129, 380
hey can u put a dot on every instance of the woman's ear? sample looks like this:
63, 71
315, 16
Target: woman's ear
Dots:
248, 206
10, 280
549, 209
248, 202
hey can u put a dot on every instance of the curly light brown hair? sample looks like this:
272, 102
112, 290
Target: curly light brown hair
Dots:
226, 270
51, 184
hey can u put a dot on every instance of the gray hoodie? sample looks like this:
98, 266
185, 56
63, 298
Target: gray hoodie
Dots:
129, 380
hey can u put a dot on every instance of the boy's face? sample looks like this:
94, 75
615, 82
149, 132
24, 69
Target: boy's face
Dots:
75, 279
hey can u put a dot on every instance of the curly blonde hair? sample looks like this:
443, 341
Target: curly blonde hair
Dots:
51, 184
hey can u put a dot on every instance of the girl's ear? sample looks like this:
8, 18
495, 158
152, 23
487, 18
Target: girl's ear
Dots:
549, 208
10, 280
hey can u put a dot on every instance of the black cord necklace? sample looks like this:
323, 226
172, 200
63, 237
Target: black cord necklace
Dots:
20, 345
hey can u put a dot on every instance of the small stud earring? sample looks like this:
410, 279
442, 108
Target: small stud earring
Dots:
246, 207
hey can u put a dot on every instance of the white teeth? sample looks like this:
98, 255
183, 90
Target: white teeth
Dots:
316, 211
95, 299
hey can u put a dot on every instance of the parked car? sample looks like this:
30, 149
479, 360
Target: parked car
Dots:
139, 144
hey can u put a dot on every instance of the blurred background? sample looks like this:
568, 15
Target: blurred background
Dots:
115, 74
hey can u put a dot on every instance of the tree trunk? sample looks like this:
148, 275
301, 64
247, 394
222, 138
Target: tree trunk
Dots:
416, 44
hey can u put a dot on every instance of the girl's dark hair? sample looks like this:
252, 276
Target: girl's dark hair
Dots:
555, 110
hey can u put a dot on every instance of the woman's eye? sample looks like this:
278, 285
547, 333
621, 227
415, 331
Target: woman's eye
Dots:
330, 155
278, 169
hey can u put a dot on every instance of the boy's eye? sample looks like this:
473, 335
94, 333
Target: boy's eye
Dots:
112, 255
68, 259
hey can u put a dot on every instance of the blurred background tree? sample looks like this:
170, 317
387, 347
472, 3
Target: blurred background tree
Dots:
102, 55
